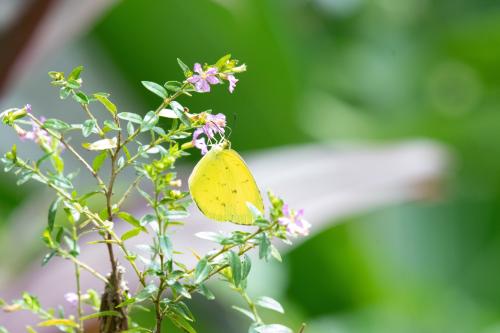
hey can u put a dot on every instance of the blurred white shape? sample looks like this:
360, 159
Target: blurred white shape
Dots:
329, 181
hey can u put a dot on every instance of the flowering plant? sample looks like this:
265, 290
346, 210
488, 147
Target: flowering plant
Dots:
166, 284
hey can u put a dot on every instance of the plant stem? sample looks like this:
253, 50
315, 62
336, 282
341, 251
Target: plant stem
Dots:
251, 305
71, 149
79, 294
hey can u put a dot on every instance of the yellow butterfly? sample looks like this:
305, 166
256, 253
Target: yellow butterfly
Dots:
221, 185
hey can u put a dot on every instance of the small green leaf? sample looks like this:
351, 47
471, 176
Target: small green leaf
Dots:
245, 312
47, 257
145, 293
202, 289
56, 124
52, 214
101, 314
81, 98
173, 85
246, 266
132, 117
99, 161
166, 247
131, 233
179, 111
202, 270
155, 88
111, 125
103, 144
150, 120
176, 214
181, 290
211, 236
107, 103
181, 323
89, 127
183, 66
130, 219
235, 264
270, 303
222, 61
64, 92
256, 213
75, 73
264, 247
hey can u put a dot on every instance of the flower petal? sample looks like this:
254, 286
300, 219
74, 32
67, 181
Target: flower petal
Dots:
197, 68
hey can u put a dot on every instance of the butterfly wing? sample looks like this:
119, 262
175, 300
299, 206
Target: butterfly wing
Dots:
221, 184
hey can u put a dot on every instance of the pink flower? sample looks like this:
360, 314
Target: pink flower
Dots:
71, 298
294, 222
203, 79
232, 82
37, 135
214, 124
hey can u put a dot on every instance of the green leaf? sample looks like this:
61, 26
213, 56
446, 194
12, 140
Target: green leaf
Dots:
89, 127
256, 213
64, 92
150, 120
58, 322
75, 73
130, 219
131, 233
52, 214
176, 214
24, 177
180, 289
81, 98
56, 124
210, 235
145, 293
181, 323
101, 314
155, 88
179, 111
273, 328
107, 103
111, 125
103, 144
270, 303
99, 161
202, 270
245, 312
235, 264
202, 289
47, 257
73, 84
173, 85
183, 66
132, 117
246, 265
264, 247
166, 247
222, 61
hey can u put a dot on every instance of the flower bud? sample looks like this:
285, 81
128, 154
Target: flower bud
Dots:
176, 183
187, 145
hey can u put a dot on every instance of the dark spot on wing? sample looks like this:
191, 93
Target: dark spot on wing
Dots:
234, 191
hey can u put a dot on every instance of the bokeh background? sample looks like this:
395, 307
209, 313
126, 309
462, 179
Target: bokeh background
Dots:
374, 71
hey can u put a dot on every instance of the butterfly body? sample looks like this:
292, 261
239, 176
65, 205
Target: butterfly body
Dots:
221, 185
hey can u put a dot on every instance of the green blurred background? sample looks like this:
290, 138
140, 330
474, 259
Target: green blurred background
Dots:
338, 70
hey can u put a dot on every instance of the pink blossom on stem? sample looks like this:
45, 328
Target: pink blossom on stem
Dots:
294, 222
203, 79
